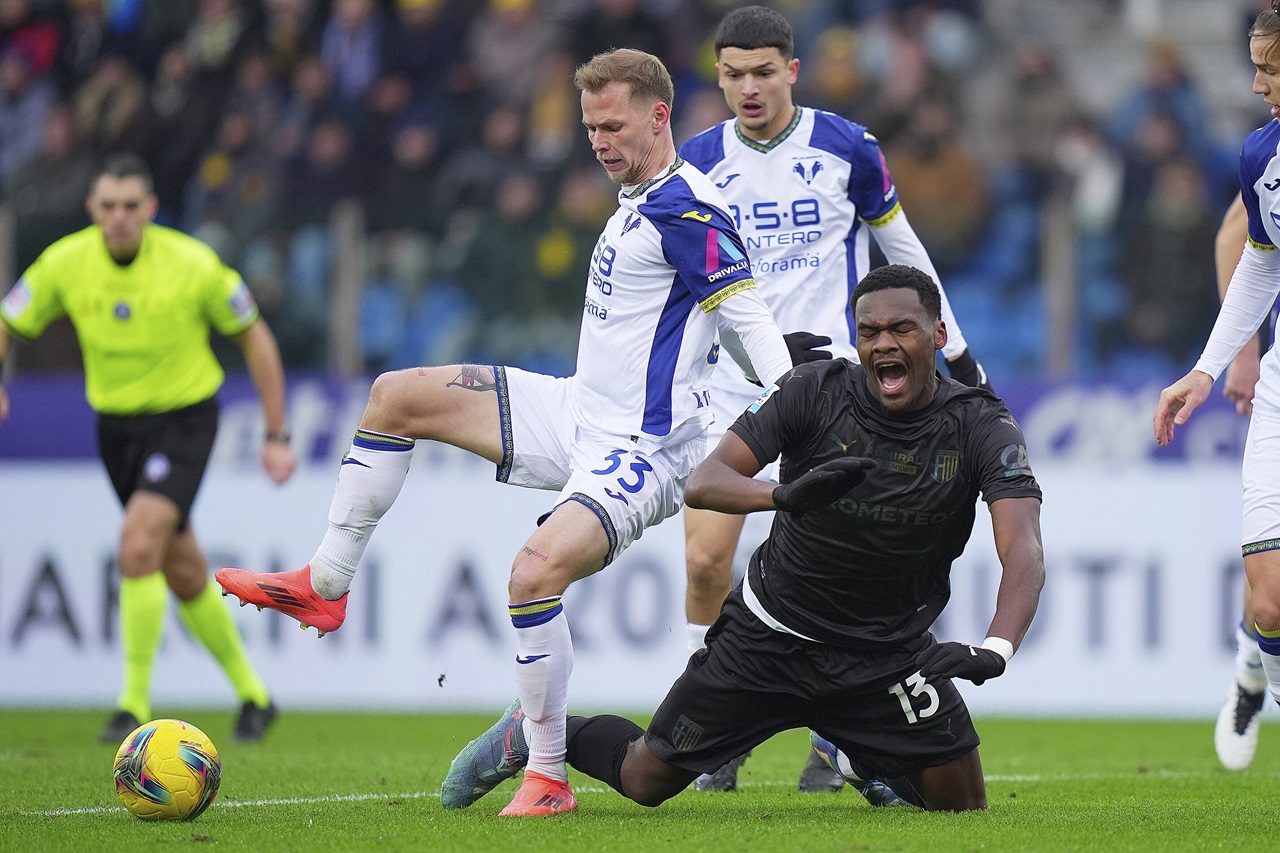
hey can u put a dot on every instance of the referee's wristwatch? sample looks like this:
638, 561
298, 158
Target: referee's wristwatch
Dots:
280, 435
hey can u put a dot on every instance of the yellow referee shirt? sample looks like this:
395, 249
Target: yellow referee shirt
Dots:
144, 327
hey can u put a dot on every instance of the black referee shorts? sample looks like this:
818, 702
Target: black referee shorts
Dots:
752, 682
164, 453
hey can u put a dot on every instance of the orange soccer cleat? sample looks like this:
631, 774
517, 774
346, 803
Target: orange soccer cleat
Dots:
288, 592
540, 797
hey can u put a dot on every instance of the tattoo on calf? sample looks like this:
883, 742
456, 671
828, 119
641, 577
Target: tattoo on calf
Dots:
474, 378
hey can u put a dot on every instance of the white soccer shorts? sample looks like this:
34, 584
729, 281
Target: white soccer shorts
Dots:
630, 483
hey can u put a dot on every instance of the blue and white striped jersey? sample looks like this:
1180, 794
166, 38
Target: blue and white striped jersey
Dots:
802, 202
667, 258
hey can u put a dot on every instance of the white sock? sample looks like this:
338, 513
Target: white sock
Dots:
544, 661
1249, 662
369, 481
695, 636
1271, 666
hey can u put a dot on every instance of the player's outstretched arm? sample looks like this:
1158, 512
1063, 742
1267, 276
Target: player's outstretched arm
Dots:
1016, 524
725, 481
262, 355
1243, 372
1178, 401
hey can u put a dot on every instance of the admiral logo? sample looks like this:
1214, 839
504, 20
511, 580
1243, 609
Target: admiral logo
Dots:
632, 222
704, 218
721, 273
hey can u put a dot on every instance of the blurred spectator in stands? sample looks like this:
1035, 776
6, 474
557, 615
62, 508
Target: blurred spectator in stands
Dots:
290, 31
940, 182
48, 192
37, 34
1166, 90
351, 45
324, 174
1157, 140
555, 117
85, 35
608, 24
109, 104
902, 72
1172, 303
832, 78
309, 99
173, 126
257, 91
703, 108
429, 47
232, 196
496, 270
584, 202
214, 39
1091, 174
1036, 112
469, 179
25, 100
389, 98
506, 47
403, 226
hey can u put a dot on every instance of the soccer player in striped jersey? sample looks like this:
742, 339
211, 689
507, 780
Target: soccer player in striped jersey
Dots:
806, 188
617, 439
1249, 298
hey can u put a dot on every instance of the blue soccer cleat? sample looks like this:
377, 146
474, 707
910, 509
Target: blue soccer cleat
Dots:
874, 791
487, 761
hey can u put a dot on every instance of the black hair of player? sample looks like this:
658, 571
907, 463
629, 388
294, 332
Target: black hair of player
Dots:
900, 275
754, 27
126, 165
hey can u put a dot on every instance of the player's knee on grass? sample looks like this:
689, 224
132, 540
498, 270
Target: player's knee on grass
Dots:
650, 781
957, 786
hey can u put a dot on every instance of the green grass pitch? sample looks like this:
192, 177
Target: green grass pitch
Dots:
338, 782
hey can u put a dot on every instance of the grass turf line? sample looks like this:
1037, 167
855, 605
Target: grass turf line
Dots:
336, 782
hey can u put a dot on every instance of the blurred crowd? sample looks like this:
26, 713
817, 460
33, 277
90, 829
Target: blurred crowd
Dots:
454, 126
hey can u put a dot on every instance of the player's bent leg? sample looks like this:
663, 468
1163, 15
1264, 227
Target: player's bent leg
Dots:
647, 779
289, 593
876, 792
1262, 568
956, 786
710, 540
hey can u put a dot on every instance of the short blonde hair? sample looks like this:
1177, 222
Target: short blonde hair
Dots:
643, 72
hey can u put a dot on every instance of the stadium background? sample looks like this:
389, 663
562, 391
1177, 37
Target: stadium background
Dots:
406, 182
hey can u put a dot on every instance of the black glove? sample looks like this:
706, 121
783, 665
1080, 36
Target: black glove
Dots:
823, 485
801, 347
965, 369
956, 660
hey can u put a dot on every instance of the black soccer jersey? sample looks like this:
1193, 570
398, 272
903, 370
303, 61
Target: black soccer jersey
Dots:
874, 567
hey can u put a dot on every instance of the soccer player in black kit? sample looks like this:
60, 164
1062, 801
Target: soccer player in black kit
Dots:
882, 465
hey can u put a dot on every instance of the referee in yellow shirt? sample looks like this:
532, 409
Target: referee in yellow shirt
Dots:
143, 299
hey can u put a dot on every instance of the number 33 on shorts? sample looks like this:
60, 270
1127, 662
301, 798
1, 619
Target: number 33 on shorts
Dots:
631, 479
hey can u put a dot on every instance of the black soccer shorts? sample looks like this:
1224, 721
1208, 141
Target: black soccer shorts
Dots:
752, 682
164, 453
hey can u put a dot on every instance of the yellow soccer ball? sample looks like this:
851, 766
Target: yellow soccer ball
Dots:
167, 770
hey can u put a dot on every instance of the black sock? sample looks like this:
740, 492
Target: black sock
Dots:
901, 786
598, 745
